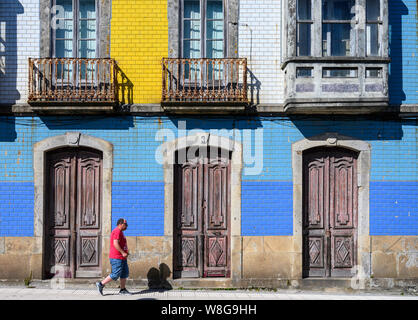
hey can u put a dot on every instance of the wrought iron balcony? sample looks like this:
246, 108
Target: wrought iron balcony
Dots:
204, 81
72, 81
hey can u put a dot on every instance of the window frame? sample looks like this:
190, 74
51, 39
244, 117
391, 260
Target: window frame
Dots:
203, 34
379, 24
359, 43
76, 20
299, 22
328, 51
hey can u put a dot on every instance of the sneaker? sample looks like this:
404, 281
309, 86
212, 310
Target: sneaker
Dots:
100, 287
124, 292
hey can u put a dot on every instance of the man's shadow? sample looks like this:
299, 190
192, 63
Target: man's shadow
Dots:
157, 279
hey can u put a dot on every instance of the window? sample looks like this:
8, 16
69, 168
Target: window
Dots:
304, 27
337, 34
75, 35
339, 72
372, 27
304, 72
373, 72
203, 29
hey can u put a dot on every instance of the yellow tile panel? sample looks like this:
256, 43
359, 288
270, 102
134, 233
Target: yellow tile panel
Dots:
139, 40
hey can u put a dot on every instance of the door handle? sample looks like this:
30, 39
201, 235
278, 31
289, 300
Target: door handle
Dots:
328, 233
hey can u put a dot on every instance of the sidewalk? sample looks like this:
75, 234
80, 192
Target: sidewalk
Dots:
90, 293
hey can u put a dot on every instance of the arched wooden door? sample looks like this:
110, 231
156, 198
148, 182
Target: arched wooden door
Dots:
202, 214
330, 194
73, 213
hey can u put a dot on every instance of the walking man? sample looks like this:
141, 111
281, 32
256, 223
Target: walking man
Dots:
118, 259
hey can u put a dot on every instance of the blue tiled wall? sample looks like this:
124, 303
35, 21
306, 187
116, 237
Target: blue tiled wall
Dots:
403, 43
138, 187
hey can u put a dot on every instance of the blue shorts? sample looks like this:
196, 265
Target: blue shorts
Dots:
120, 269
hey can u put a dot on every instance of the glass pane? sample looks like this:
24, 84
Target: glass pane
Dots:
87, 9
214, 9
304, 39
192, 9
336, 39
304, 10
191, 29
372, 39
65, 29
64, 9
87, 49
339, 72
337, 9
215, 49
87, 29
215, 30
191, 49
63, 48
373, 72
373, 10
304, 72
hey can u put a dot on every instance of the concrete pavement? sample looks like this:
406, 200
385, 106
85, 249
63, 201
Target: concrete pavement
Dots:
90, 293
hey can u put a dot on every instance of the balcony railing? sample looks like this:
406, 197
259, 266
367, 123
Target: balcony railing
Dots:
72, 81
204, 80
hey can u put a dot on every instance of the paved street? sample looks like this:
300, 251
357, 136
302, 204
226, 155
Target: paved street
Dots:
90, 293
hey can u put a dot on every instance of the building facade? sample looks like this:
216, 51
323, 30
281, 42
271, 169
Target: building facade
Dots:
247, 144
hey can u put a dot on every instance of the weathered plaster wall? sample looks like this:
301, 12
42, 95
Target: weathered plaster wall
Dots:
265, 257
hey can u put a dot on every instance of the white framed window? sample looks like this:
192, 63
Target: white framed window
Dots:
304, 27
75, 29
373, 26
334, 28
203, 29
338, 36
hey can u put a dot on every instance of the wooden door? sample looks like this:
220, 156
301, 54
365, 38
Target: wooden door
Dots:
73, 212
329, 212
202, 213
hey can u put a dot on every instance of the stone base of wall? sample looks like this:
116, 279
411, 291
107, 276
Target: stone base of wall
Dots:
269, 261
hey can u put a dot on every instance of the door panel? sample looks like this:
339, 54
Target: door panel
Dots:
216, 211
201, 217
343, 213
72, 217
329, 212
59, 215
187, 219
88, 213
315, 214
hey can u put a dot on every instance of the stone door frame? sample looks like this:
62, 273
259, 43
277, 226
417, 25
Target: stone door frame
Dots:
204, 139
363, 182
70, 139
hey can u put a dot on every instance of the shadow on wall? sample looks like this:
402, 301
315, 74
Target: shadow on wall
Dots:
125, 88
7, 129
363, 128
254, 86
214, 122
9, 10
157, 279
87, 122
397, 9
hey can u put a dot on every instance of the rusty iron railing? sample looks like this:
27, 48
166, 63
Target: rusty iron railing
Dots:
72, 80
204, 80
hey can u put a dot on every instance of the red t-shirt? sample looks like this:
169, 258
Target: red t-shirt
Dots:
117, 235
